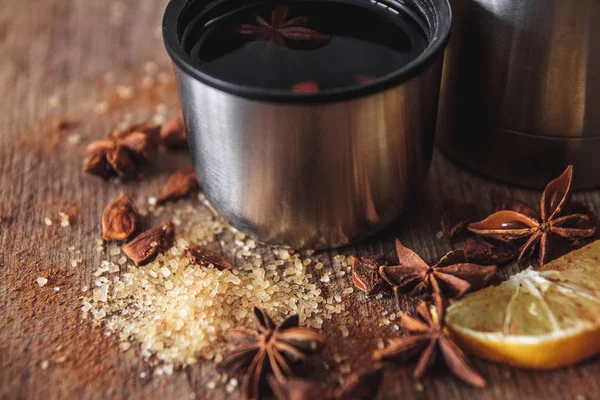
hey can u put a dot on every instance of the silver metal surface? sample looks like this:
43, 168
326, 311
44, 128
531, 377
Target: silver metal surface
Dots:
521, 89
311, 175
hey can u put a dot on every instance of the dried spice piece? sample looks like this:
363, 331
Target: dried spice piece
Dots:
453, 275
457, 214
306, 87
149, 244
98, 165
151, 130
122, 162
365, 274
200, 255
100, 146
489, 252
577, 207
172, 134
139, 145
120, 220
426, 337
123, 153
271, 349
181, 184
359, 386
539, 233
280, 28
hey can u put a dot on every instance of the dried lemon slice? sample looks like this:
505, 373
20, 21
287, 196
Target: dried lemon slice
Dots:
536, 319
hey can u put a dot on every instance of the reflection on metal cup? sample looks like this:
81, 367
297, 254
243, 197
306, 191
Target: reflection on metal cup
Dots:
312, 171
521, 90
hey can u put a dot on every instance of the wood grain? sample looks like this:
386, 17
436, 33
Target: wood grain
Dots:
54, 60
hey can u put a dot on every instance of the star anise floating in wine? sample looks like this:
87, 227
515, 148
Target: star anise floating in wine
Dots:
426, 337
521, 223
271, 349
305, 87
359, 386
453, 275
280, 28
364, 79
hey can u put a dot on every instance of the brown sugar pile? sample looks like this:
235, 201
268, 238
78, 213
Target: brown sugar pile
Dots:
179, 312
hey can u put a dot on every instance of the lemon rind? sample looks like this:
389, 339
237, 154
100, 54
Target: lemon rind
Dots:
557, 349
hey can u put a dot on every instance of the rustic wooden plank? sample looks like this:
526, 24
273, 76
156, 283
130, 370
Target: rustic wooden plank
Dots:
54, 61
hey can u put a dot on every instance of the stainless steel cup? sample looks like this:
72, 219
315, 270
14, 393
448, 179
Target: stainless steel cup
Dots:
521, 90
311, 170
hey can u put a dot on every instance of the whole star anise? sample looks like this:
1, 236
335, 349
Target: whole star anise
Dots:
453, 275
522, 224
122, 153
305, 87
426, 336
280, 28
359, 386
271, 349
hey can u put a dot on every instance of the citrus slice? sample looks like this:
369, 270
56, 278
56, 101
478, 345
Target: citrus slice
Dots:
537, 319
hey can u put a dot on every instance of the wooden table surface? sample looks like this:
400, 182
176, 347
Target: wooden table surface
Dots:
67, 59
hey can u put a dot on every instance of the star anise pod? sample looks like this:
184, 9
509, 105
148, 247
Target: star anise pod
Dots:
122, 162
453, 275
200, 255
179, 185
359, 386
305, 87
489, 252
97, 164
365, 274
364, 79
149, 129
123, 153
172, 134
280, 28
120, 219
426, 337
553, 222
149, 244
577, 207
271, 349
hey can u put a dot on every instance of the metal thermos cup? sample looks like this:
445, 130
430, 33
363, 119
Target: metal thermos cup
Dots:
521, 90
310, 170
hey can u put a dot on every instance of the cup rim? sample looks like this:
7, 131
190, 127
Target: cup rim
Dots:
436, 45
